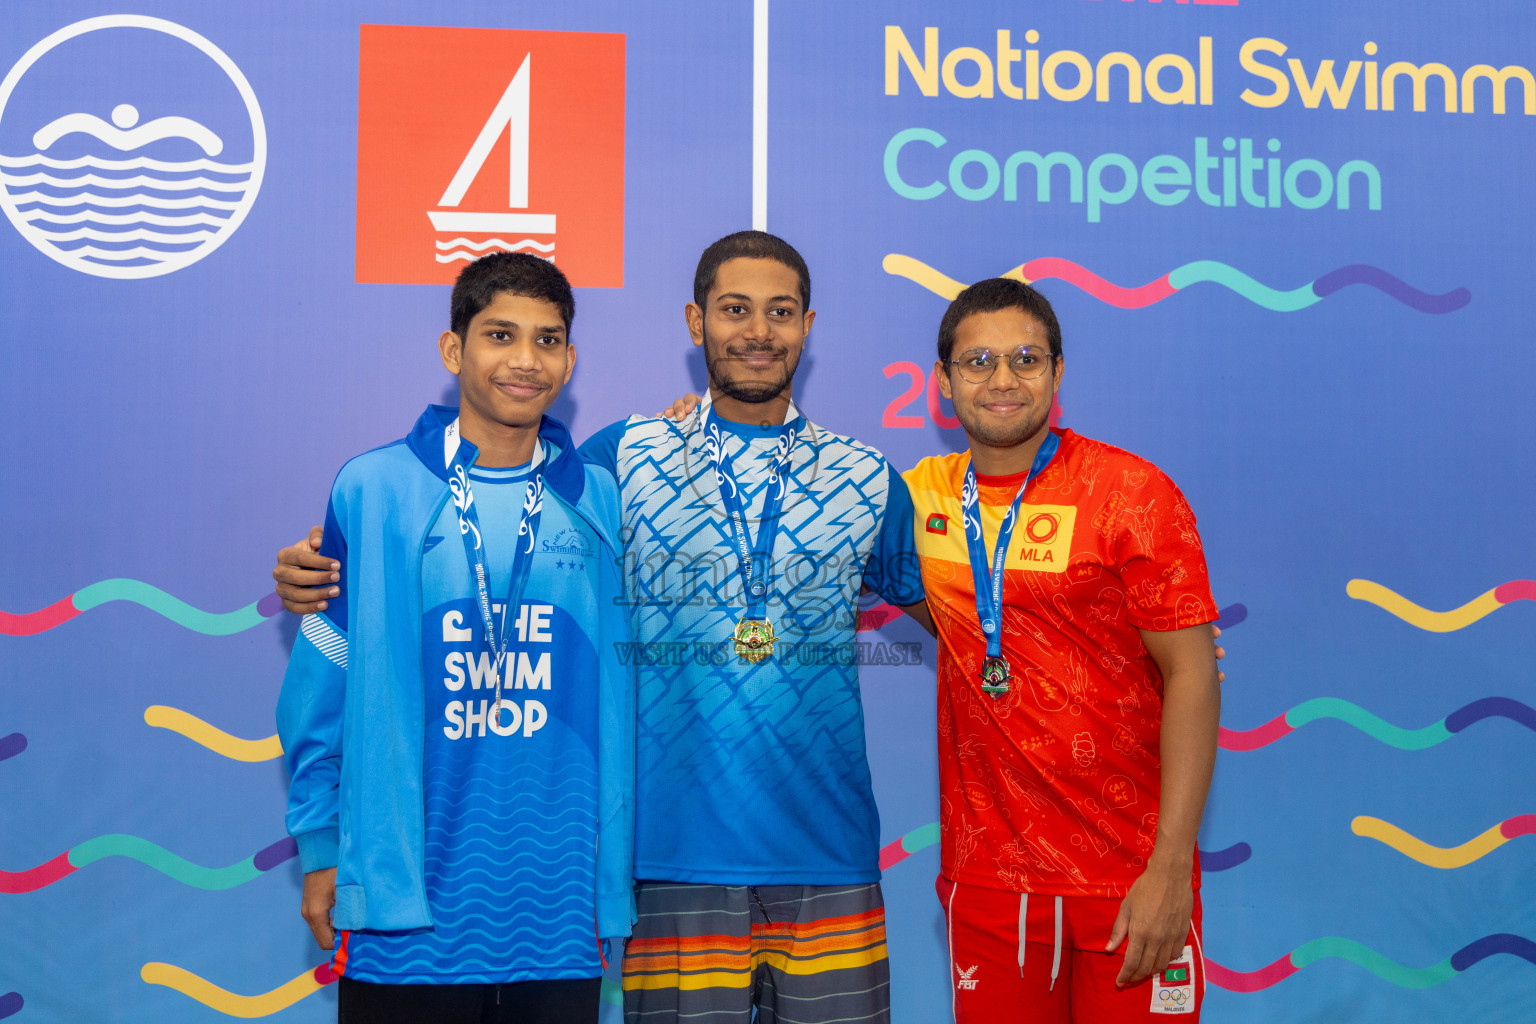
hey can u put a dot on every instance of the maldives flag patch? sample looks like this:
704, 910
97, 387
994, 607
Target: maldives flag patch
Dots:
938, 523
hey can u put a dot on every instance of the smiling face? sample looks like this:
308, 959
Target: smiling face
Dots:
753, 327
1005, 411
513, 360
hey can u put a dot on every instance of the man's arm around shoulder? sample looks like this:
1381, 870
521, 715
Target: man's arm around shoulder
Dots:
310, 715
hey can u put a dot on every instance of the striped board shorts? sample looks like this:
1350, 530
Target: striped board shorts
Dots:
797, 954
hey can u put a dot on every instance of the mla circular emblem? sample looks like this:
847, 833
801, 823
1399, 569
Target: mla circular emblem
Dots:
1042, 527
130, 146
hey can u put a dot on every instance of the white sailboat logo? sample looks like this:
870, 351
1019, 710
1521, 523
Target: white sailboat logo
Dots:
118, 210
510, 116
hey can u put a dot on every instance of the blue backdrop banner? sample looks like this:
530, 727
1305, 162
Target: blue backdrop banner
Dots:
1288, 243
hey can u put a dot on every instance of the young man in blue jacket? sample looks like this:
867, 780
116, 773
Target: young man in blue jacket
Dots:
457, 722
748, 532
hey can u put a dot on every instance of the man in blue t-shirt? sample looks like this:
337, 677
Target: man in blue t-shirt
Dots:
748, 534
456, 719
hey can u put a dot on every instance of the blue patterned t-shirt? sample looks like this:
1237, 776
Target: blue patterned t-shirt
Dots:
754, 774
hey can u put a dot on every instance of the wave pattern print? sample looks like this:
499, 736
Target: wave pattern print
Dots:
465, 249
1413, 847
157, 857
499, 904
1479, 607
1197, 272
1377, 728
1364, 956
140, 593
232, 1004
159, 716
137, 212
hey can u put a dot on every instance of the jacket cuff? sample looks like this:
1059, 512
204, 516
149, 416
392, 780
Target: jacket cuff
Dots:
319, 849
615, 913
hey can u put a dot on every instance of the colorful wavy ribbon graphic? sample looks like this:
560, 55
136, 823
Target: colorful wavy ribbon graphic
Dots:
310, 982
157, 857
1363, 956
1198, 272
11, 1003
1444, 856
924, 836
140, 593
217, 740
1376, 728
919, 838
231, 1004
1482, 605
12, 745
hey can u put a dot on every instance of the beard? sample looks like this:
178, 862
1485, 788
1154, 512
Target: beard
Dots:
752, 391
1006, 434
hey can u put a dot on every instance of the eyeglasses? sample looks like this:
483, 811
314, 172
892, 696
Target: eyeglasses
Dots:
1027, 362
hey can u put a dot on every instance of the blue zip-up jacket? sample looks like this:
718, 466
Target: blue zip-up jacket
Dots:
351, 715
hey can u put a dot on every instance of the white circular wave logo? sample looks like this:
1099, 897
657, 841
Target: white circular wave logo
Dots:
95, 193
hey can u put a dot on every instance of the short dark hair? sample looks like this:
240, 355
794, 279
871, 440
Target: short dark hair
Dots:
989, 296
520, 273
752, 245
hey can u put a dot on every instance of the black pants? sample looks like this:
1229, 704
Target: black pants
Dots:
519, 1002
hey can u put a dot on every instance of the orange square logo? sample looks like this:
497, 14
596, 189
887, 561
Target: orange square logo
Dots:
472, 140
1044, 536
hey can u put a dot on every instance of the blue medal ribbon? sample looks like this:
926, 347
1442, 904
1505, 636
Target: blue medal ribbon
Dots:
989, 590
474, 545
750, 555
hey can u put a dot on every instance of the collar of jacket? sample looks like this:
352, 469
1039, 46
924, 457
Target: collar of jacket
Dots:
565, 472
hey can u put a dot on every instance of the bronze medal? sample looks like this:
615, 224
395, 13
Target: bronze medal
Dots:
995, 675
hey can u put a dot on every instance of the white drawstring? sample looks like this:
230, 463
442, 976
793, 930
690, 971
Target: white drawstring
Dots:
1023, 913
949, 920
1056, 958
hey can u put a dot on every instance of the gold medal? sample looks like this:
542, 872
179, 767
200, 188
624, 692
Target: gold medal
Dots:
754, 639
